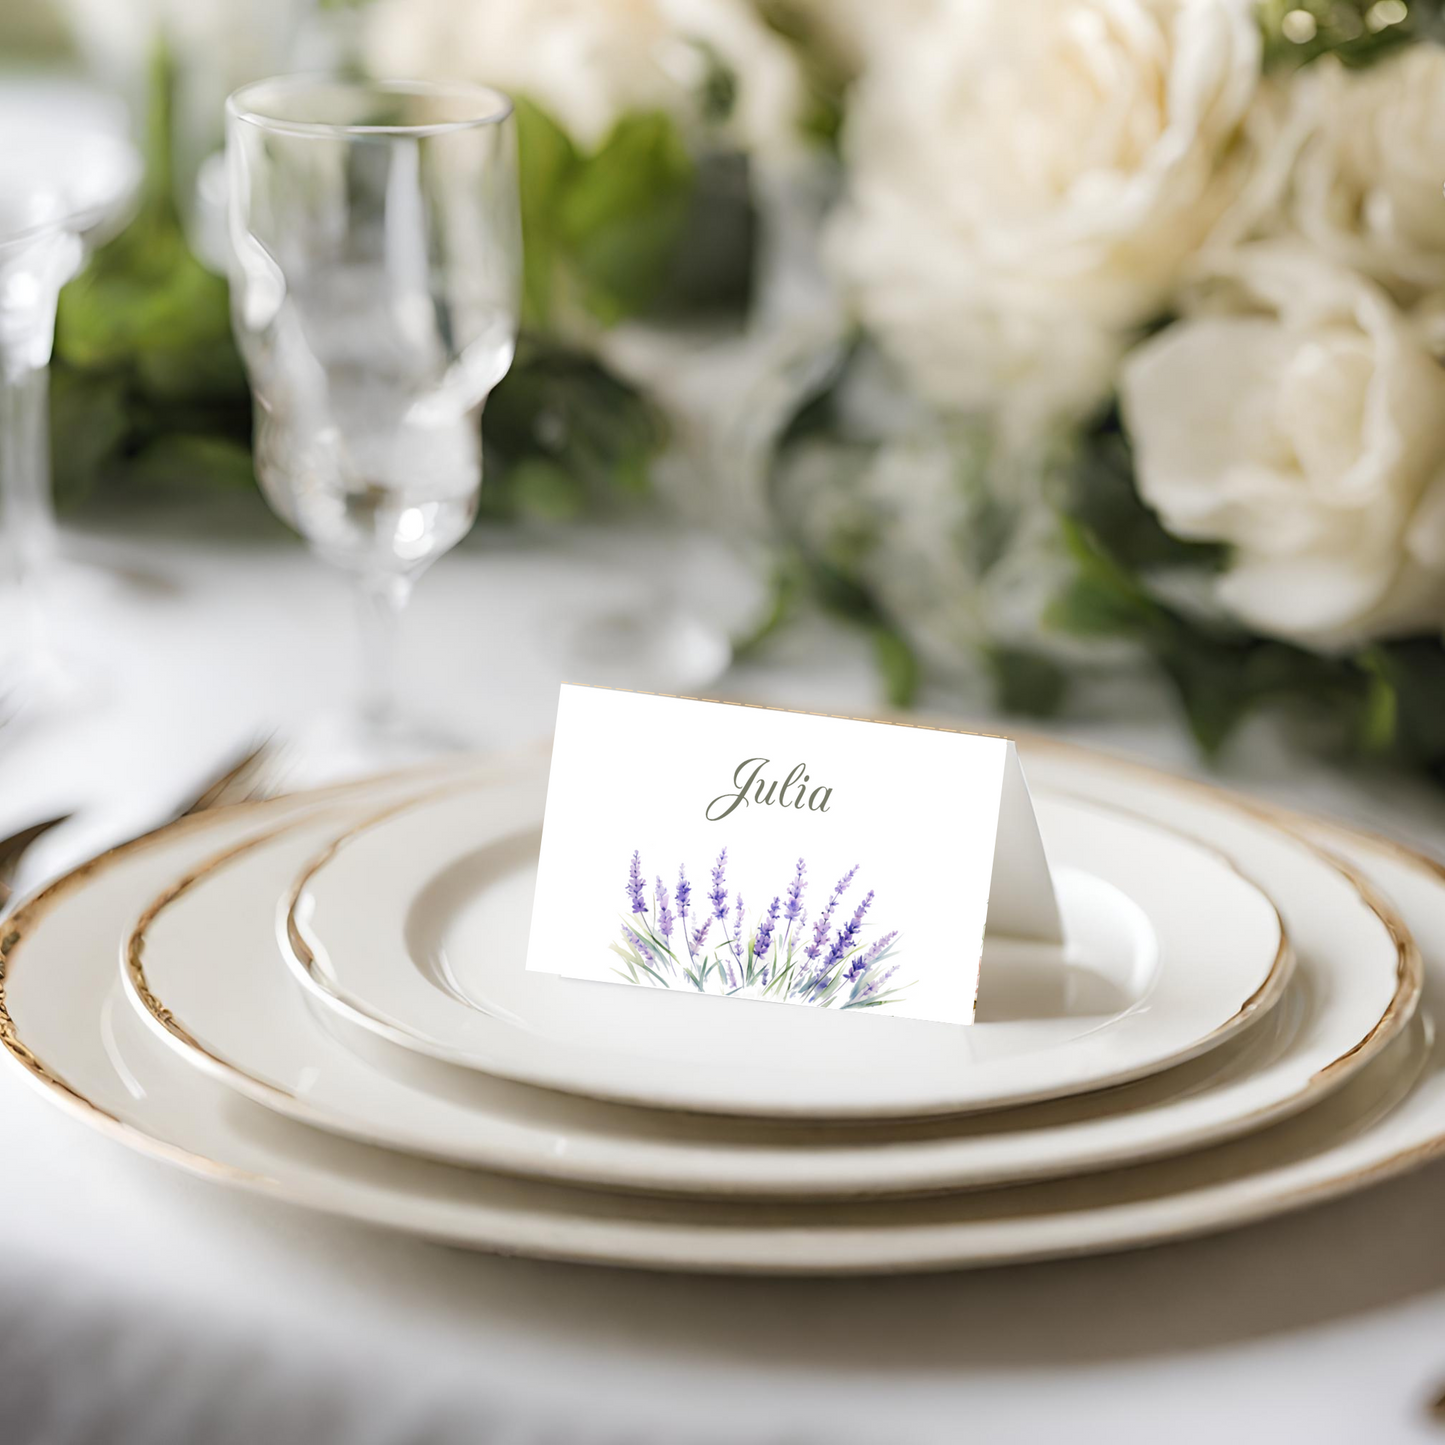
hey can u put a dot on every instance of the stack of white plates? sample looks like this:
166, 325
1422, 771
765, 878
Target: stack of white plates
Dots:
323, 998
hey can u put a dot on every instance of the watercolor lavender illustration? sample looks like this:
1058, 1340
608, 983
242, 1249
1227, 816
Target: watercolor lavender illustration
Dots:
665, 944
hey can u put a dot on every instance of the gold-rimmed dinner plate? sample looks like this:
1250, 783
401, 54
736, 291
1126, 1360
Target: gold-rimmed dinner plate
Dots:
414, 925
67, 1027
203, 966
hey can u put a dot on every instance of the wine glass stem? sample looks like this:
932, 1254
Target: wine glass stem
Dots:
25, 466
380, 602
26, 511
30, 281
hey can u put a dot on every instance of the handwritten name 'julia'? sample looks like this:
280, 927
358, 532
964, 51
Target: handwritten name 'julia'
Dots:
750, 786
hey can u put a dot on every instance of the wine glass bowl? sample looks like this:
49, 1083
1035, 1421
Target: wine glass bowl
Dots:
69, 180
376, 278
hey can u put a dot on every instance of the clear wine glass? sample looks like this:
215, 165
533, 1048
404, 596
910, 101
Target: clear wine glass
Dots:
67, 184
375, 288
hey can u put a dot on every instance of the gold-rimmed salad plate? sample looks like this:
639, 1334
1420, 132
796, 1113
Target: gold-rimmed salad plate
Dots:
414, 926
69, 1030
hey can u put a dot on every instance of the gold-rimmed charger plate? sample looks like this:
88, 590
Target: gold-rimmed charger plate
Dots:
68, 1027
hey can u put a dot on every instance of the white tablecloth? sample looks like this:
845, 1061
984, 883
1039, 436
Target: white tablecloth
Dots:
143, 1306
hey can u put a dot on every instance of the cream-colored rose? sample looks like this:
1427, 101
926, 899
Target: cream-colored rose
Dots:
1305, 427
1366, 186
1028, 182
591, 61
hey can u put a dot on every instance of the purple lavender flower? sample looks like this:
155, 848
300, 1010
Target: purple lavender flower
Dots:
875, 984
719, 893
864, 961
699, 935
634, 885
794, 905
820, 933
639, 945
848, 933
825, 919
837, 969
764, 939
793, 909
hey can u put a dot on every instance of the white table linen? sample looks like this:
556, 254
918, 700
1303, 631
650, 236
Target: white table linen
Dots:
141, 1305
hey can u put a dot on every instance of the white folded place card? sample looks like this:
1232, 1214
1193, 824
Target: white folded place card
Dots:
754, 853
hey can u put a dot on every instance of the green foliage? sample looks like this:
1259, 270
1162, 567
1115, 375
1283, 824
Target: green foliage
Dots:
636, 227
1026, 682
1220, 674
547, 162
621, 217
175, 461
1101, 496
1404, 709
145, 370
719, 86
786, 591
827, 564
89, 423
562, 436
149, 397
825, 73
710, 270
897, 665
1386, 700
801, 574
145, 373
1357, 32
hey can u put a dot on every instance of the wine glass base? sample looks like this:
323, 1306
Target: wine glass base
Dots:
643, 648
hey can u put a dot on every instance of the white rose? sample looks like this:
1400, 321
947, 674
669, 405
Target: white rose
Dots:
1306, 429
1028, 182
1366, 185
588, 62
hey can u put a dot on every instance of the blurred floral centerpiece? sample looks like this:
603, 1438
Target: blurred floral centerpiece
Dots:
1153, 291
1041, 338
